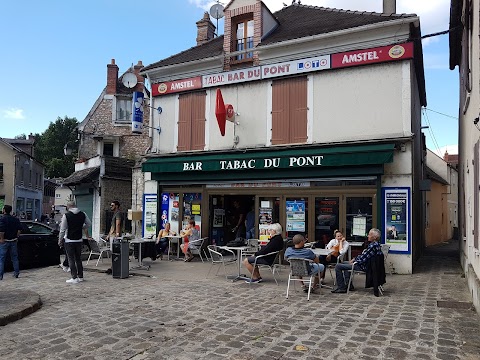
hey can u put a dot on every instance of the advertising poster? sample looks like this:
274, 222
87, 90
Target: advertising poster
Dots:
174, 212
218, 215
149, 215
396, 212
264, 222
296, 216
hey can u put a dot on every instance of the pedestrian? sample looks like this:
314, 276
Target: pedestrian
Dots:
10, 229
73, 223
115, 225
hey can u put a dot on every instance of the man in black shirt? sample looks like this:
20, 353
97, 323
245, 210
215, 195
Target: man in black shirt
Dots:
10, 229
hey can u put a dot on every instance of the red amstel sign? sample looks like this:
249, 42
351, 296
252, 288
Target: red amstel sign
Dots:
169, 87
372, 56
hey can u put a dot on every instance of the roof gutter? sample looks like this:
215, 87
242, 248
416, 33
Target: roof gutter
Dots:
179, 65
348, 31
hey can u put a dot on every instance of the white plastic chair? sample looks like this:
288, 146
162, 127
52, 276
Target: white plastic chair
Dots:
219, 259
98, 248
199, 247
300, 270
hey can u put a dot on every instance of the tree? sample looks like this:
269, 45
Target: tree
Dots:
21, 137
49, 147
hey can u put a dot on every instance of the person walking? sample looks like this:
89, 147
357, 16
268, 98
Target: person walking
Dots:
73, 223
10, 229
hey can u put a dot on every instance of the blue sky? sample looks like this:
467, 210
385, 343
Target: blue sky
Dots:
55, 54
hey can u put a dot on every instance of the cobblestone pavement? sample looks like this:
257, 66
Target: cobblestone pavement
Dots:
180, 314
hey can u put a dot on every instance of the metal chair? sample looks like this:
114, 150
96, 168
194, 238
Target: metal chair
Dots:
271, 267
331, 268
98, 247
300, 270
352, 274
198, 247
219, 259
253, 246
385, 250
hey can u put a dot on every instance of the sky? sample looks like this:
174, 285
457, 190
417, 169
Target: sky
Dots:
55, 55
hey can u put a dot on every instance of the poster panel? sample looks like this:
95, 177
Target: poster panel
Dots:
295, 216
396, 219
149, 215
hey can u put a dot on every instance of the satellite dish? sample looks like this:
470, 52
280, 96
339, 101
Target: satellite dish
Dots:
216, 11
129, 80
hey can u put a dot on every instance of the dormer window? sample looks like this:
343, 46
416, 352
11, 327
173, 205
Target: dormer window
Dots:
123, 110
244, 38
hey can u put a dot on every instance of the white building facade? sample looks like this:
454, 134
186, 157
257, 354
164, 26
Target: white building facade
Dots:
325, 132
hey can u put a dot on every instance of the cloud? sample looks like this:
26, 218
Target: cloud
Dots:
434, 14
451, 149
13, 113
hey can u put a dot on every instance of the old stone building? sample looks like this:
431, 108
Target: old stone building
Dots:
108, 147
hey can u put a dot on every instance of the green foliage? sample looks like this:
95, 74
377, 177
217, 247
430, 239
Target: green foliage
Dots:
21, 137
49, 147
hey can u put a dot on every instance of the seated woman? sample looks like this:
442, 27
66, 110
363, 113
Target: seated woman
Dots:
162, 241
275, 244
339, 247
192, 234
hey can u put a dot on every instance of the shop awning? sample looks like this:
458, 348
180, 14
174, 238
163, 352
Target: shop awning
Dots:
272, 164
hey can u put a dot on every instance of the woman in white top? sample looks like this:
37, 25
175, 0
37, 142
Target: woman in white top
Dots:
338, 246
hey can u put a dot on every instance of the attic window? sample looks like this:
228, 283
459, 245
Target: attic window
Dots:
243, 38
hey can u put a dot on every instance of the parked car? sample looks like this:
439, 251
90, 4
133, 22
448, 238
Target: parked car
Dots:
37, 246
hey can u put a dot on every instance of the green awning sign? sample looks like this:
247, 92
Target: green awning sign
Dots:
255, 161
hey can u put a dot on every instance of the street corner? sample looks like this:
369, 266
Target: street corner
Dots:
16, 304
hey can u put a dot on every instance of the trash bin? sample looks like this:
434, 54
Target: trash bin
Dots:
120, 259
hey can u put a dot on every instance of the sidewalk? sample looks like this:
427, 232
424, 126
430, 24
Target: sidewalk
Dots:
174, 312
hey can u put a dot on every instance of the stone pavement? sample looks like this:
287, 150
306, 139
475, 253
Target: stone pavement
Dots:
178, 313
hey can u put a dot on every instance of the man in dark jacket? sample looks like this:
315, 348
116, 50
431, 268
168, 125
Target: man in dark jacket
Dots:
275, 244
10, 229
74, 223
342, 271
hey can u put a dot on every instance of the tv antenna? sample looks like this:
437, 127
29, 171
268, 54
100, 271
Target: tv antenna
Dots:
216, 11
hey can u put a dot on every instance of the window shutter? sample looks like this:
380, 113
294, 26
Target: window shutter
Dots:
198, 120
298, 110
280, 110
184, 122
476, 199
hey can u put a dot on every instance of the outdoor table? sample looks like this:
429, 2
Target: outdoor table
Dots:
320, 251
170, 238
239, 250
140, 262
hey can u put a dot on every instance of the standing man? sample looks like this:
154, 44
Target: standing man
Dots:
342, 271
250, 223
239, 229
74, 222
117, 221
10, 229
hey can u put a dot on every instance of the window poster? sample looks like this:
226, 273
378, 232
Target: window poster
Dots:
359, 226
264, 222
149, 215
296, 216
396, 213
218, 216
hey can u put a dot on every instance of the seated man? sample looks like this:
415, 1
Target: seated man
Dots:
275, 244
299, 252
342, 270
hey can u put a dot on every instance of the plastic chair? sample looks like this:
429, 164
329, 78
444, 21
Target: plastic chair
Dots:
300, 269
98, 248
219, 259
271, 267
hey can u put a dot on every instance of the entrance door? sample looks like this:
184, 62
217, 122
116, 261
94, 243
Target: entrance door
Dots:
327, 219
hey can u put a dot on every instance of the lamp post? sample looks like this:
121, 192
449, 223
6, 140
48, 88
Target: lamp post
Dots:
67, 149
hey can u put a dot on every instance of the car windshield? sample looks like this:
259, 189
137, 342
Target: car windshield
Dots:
35, 228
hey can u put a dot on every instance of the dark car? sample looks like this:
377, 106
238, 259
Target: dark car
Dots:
37, 246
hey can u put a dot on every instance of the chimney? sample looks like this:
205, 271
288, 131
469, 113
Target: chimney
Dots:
112, 78
389, 7
140, 79
205, 29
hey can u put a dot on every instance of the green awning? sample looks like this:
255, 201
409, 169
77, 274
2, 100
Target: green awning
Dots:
272, 164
